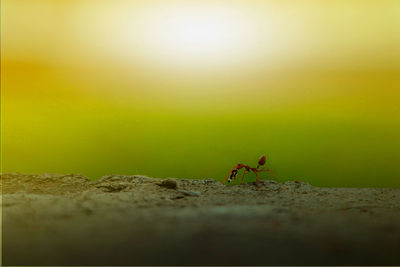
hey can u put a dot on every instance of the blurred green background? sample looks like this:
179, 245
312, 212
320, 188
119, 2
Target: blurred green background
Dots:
313, 145
318, 95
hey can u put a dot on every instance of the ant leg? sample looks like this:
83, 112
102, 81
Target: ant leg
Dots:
243, 174
226, 177
273, 174
276, 176
256, 173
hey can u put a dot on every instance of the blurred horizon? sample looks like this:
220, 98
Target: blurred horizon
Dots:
187, 89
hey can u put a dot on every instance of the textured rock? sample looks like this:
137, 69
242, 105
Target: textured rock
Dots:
55, 219
189, 193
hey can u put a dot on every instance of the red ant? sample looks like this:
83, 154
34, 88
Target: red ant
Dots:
261, 162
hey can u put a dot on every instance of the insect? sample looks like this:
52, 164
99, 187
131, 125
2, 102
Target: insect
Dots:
261, 162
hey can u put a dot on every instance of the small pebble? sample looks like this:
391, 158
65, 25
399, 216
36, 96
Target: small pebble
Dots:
171, 184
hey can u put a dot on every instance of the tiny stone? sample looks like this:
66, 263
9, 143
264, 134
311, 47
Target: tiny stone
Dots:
169, 183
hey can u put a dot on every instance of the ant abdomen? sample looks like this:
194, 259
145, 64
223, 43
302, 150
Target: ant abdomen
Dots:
262, 160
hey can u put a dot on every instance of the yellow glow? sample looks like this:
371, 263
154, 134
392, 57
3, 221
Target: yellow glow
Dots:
174, 34
197, 35
160, 86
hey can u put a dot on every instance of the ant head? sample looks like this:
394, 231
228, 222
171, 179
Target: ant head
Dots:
232, 175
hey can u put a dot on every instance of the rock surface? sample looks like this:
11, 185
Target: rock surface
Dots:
131, 220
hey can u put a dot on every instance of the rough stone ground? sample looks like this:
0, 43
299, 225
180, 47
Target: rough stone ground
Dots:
136, 220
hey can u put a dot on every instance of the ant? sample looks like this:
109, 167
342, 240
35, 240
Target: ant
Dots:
261, 162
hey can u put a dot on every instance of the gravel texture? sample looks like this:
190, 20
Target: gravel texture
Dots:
55, 220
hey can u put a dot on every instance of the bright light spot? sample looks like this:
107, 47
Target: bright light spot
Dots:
190, 36
179, 36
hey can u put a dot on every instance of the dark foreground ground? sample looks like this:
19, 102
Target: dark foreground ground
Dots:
132, 220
